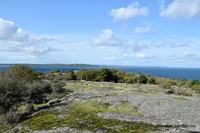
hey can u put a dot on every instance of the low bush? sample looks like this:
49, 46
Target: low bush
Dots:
13, 117
142, 79
70, 75
58, 87
88, 75
151, 80
35, 91
22, 72
196, 88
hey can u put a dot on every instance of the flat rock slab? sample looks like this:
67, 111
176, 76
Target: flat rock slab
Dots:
62, 130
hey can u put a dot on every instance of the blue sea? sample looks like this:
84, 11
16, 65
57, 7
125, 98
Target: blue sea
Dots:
180, 73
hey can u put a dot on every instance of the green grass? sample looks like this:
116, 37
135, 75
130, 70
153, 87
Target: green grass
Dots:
96, 107
82, 116
180, 98
127, 109
40, 105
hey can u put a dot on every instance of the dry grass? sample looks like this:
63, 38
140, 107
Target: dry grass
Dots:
118, 87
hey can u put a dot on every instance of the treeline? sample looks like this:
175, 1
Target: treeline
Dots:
112, 75
107, 75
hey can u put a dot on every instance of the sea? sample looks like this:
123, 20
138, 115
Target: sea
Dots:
169, 72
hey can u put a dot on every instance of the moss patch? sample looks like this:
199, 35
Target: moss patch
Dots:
180, 98
82, 116
127, 109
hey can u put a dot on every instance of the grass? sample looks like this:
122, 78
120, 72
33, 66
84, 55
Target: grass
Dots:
98, 107
127, 109
82, 116
180, 98
40, 105
117, 87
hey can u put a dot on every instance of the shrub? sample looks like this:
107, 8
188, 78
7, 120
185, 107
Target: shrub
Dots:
35, 91
89, 75
13, 117
55, 71
11, 93
130, 78
70, 75
151, 80
121, 76
107, 75
142, 79
58, 87
196, 88
23, 72
193, 82
166, 83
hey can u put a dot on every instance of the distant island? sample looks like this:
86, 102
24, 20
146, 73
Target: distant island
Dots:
66, 65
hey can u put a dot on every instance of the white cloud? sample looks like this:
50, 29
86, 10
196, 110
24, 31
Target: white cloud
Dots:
143, 30
107, 38
140, 55
130, 11
125, 54
14, 39
182, 9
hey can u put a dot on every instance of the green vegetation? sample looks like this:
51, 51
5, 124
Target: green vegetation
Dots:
22, 85
70, 75
179, 98
96, 107
23, 90
82, 116
127, 109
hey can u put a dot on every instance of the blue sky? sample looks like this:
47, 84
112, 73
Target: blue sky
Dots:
108, 32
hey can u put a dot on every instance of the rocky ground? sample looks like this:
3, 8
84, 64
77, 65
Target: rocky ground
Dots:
174, 114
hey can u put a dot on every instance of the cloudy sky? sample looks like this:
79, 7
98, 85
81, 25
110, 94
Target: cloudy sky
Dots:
111, 32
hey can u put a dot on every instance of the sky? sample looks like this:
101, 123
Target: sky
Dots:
104, 32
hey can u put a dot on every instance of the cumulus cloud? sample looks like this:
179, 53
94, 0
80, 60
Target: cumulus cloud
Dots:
107, 38
186, 9
131, 11
143, 30
14, 39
